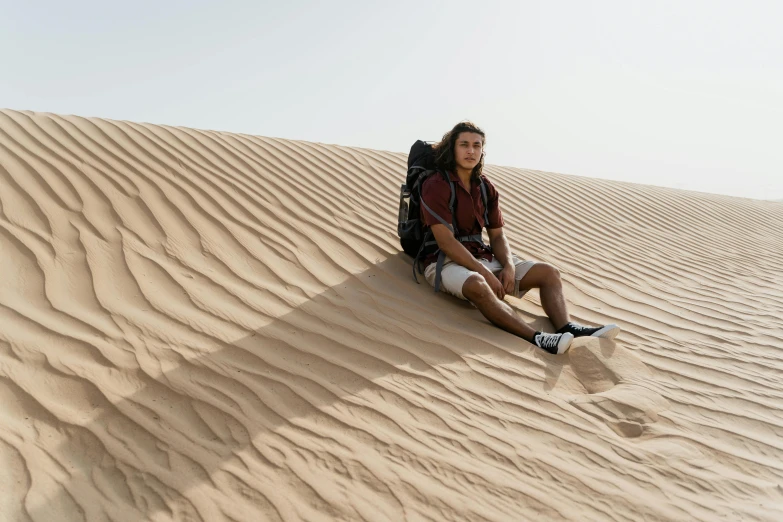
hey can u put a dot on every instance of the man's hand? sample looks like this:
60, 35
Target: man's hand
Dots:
495, 284
507, 278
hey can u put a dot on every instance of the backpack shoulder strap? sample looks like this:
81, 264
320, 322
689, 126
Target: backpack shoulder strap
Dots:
453, 208
443, 221
453, 225
454, 230
485, 200
451, 186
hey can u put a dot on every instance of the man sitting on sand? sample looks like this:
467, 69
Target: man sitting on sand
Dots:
470, 270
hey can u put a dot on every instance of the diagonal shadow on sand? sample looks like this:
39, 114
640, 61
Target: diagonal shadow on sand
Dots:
228, 433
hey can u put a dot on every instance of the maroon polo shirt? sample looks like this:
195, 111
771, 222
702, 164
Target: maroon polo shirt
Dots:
435, 192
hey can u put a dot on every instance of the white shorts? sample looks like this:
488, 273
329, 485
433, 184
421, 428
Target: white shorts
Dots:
453, 275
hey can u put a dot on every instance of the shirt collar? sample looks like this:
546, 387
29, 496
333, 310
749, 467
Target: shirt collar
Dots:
453, 177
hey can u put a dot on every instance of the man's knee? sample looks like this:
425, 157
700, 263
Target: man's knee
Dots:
544, 274
476, 288
550, 274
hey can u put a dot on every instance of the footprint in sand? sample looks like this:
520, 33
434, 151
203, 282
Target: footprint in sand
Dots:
617, 386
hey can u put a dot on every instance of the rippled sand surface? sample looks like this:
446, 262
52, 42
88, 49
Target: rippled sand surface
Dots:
199, 325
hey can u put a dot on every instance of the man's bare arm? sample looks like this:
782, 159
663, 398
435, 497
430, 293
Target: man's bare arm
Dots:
499, 245
454, 249
502, 252
460, 255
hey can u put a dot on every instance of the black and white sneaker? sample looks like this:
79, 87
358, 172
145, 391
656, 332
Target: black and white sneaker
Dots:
608, 331
556, 343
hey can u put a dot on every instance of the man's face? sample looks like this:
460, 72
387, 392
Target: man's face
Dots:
468, 149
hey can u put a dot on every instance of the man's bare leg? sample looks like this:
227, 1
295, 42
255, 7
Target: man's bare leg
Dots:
477, 291
546, 278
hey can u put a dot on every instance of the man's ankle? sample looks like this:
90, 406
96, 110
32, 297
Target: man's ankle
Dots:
563, 328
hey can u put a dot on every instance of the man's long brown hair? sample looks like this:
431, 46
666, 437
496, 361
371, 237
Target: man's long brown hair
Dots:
444, 149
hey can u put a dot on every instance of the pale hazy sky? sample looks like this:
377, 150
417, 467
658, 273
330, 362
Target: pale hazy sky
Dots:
686, 94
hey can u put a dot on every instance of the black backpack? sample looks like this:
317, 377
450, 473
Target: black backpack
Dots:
417, 239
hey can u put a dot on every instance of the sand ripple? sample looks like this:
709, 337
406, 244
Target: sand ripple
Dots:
198, 325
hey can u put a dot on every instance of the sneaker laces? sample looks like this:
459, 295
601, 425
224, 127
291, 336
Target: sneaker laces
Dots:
576, 328
547, 340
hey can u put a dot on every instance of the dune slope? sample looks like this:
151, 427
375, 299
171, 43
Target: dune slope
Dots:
198, 325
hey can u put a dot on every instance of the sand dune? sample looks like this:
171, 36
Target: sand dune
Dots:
198, 325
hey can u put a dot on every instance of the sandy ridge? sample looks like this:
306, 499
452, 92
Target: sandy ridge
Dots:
198, 325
